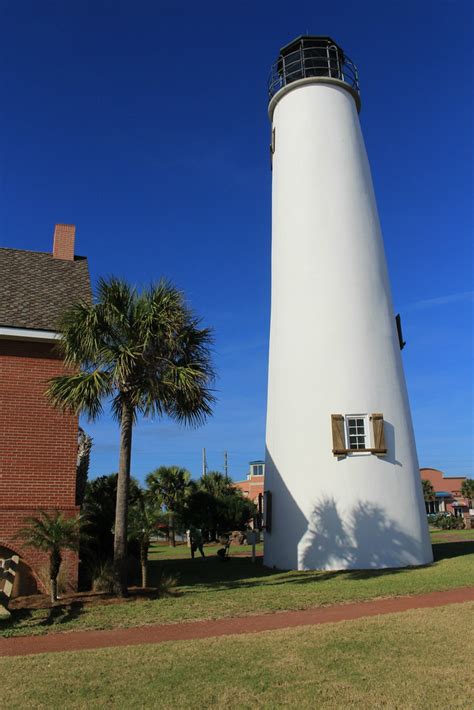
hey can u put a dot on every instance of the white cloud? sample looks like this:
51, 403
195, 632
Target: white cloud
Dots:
443, 300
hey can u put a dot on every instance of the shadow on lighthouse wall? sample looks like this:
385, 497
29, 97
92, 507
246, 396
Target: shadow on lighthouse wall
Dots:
390, 439
286, 515
365, 539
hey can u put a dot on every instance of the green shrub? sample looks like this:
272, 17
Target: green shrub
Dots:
166, 583
103, 577
445, 521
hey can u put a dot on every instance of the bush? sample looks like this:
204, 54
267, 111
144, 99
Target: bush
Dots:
445, 521
166, 583
103, 577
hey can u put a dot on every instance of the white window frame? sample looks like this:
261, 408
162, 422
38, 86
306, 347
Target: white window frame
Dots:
367, 433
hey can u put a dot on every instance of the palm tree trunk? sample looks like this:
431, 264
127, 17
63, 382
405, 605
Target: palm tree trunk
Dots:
54, 565
172, 539
144, 563
121, 506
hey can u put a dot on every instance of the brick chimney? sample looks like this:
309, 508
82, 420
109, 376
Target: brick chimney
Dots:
63, 244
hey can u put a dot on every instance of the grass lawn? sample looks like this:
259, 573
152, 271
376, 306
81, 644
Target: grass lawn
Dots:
391, 661
162, 551
210, 589
442, 535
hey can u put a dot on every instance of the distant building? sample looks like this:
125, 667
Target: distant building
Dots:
252, 487
38, 444
448, 498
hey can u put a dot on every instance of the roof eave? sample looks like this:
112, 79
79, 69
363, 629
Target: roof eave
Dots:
31, 334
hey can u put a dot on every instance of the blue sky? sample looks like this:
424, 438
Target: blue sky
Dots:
145, 124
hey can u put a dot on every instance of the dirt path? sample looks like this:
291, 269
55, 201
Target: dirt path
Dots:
80, 640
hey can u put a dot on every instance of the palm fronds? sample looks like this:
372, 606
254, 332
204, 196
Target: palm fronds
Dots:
145, 347
48, 531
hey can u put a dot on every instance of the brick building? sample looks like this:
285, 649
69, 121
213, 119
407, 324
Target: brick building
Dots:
448, 498
252, 487
38, 444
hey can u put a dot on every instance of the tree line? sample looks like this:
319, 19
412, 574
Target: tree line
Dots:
170, 503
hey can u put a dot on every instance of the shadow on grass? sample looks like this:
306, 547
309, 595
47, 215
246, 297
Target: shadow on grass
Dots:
446, 550
58, 614
61, 613
202, 575
241, 573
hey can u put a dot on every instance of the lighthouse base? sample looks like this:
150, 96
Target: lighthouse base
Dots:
335, 536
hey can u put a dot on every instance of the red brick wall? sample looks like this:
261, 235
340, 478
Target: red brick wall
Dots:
63, 242
251, 488
38, 445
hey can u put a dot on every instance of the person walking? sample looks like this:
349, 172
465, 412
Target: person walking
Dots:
196, 540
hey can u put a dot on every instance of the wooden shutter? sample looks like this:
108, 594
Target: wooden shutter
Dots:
379, 447
338, 435
259, 516
398, 322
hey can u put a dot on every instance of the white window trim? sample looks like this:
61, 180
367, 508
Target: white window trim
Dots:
368, 434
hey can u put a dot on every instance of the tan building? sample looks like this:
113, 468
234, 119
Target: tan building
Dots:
448, 498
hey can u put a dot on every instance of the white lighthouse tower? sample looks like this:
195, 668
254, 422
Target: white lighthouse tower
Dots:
342, 481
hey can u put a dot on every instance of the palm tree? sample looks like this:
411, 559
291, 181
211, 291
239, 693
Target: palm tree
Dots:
216, 483
428, 490
467, 490
170, 484
144, 516
99, 509
148, 354
52, 533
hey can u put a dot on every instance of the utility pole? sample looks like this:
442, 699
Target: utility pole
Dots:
204, 462
226, 469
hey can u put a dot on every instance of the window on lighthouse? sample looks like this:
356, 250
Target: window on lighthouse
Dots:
357, 432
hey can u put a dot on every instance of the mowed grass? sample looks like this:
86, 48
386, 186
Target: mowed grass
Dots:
211, 589
163, 551
445, 535
391, 661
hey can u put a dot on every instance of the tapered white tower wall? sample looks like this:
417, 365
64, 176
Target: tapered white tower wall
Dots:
334, 350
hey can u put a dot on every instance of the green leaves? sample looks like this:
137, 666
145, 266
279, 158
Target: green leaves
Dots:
51, 532
428, 490
467, 488
169, 484
81, 392
145, 347
144, 516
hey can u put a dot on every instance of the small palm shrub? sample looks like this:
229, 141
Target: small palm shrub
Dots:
103, 577
52, 533
165, 583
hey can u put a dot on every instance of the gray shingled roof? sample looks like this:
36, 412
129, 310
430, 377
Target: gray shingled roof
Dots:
35, 288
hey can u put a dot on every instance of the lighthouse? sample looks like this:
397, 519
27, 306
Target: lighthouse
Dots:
342, 481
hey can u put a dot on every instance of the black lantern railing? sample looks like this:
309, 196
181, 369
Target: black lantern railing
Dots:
312, 59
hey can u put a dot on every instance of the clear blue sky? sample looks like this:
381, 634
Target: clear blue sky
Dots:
145, 124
